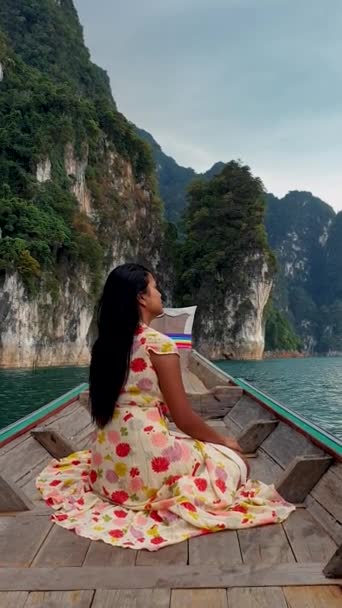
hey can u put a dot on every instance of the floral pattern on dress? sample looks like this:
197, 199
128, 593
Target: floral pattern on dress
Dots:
142, 486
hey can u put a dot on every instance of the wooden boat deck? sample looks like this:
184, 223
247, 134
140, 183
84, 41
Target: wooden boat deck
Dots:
43, 565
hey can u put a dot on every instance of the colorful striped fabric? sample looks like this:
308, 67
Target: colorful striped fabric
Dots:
183, 341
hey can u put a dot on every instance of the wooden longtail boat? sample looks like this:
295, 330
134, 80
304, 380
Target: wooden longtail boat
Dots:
296, 564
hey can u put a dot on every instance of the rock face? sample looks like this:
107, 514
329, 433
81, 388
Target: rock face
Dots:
306, 235
44, 331
85, 202
237, 329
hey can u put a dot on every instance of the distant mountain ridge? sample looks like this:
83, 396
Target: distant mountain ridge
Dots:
173, 179
304, 232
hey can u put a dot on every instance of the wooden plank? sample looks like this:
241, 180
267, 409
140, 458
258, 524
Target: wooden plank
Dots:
12, 499
318, 597
70, 425
264, 468
15, 464
333, 569
20, 539
328, 492
309, 542
220, 548
285, 443
247, 410
206, 371
62, 548
300, 476
265, 545
255, 433
168, 576
141, 598
174, 554
256, 597
60, 599
53, 442
325, 519
103, 554
199, 598
13, 599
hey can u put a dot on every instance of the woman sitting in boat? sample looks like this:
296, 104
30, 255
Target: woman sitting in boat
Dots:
142, 486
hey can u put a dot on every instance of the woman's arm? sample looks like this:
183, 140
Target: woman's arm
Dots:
171, 385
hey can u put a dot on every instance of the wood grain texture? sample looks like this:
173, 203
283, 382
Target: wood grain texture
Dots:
265, 545
166, 577
139, 598
103, 554
62, 548
300, 476
199, 598
13, 599
221, 548
309, 542
256, 597
20, 538
317, 597
60, 599
173, 554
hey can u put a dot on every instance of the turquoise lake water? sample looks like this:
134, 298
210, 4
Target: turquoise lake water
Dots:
23, 391
312, 387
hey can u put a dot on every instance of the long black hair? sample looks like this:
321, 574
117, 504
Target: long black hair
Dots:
117, 320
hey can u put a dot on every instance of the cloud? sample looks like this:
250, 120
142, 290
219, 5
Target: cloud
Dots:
220, 79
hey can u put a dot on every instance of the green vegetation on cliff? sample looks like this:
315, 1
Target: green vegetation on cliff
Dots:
225, 246
279, 335
52, 96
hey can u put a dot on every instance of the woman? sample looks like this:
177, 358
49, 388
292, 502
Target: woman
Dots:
140, 485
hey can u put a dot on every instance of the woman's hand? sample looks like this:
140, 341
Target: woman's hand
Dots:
231, 443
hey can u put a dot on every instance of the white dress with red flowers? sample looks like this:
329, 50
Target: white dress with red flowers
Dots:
145, 487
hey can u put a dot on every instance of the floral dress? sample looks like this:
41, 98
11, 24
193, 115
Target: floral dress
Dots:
143, 486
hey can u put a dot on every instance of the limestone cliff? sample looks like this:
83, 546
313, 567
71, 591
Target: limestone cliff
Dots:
77, 191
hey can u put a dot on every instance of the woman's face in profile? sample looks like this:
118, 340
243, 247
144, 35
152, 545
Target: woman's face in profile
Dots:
152, 298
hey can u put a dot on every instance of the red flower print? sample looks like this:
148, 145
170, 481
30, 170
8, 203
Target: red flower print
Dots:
244, 493
61, 517
93, 476
172, 479
119, 513
219, 483
157, 540
160, 464
138, 365
119, 496
201, 484
196, 467
239, 509
128, 417
116, 533
123, 449
55, 482
154, 515
134, 472
205, 531
80, 501
245, 520
148, 428
143, 340
75, 462
139, 330
189, 506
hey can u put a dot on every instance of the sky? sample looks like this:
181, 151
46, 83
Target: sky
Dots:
256, 80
